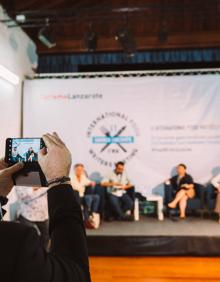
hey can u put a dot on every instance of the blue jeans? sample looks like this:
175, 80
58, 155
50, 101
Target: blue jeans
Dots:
90, 203
120, 204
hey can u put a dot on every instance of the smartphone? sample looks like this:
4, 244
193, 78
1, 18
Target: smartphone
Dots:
26, 150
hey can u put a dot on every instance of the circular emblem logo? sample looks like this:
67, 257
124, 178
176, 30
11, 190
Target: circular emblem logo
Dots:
112, 137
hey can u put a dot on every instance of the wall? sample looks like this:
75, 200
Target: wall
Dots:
18, 54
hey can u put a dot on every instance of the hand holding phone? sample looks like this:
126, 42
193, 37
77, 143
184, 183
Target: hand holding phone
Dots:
56, 160
6, 181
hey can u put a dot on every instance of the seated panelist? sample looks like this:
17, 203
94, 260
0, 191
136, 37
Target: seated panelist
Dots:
183, 189
118, 184
80, 182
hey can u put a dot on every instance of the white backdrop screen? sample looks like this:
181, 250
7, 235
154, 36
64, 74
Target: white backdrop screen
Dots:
151, 123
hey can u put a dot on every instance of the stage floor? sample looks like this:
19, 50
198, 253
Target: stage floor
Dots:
151, 269
193, 236
148, 226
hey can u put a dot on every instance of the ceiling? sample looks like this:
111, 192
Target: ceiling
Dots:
152, 24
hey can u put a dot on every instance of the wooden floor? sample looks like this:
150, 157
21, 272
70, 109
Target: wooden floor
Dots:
155, 269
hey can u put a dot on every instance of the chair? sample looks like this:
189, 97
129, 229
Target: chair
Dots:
210, 197
193, 205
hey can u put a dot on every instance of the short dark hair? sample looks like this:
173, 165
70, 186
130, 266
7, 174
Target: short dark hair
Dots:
183, 165
119, 163
77, 165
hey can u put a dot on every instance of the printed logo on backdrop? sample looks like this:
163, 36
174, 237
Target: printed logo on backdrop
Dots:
112, 137
73, 96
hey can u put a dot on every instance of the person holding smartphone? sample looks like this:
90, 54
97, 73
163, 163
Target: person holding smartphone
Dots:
22, 258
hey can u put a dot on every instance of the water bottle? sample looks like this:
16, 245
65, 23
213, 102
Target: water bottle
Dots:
136, 209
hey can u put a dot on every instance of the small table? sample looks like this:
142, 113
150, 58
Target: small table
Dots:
159, 201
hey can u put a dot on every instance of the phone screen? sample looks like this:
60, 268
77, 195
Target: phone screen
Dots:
23, 149
26, 150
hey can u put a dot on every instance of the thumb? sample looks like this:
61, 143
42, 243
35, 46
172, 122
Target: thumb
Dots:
42, 153
14, 168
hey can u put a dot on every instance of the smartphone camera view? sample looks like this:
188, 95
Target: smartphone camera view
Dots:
26, 150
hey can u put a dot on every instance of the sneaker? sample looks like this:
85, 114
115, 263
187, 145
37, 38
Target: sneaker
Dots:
128, 212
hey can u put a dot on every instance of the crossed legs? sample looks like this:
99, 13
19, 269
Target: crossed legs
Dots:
181, 199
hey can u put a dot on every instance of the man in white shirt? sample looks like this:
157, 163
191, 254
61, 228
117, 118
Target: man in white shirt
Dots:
216, 183
118, 184
81, 182
33, 210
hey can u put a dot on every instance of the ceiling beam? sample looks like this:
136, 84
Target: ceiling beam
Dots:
178, 41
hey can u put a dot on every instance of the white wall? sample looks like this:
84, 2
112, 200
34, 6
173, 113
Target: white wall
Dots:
10, 106
18, 54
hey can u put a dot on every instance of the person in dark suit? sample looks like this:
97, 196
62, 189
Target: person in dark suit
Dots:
183, 189
22, 258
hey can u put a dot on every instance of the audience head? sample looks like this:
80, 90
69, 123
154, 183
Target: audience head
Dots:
181, 169
119, 167
79, 169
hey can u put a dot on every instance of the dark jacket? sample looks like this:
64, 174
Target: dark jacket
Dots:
187, 179
23, 260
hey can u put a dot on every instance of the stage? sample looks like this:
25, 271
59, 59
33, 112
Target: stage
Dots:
192, 236
154, 269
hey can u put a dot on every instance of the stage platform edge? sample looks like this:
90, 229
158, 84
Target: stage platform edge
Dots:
153, 246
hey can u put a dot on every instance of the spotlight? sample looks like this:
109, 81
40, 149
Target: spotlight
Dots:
91, 41
127, 42
45, 36
20, 18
